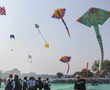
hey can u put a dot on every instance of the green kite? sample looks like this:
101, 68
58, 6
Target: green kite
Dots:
94, 17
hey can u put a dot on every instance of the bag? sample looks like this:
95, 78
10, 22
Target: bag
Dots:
9, 85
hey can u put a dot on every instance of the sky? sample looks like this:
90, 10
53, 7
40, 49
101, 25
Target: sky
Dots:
21, 17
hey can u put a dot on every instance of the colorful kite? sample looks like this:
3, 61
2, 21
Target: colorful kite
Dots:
2, 8
94, 17
2, 11
66, 59
46, 45
59, 14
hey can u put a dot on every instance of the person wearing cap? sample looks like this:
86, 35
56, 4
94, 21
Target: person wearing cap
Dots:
80, 84
10, 83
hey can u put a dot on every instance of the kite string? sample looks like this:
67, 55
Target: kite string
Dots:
42, 35
29, 67
13, 44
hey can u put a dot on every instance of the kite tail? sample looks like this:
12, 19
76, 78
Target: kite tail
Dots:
42, 36
66, 27
68, 68
101, 46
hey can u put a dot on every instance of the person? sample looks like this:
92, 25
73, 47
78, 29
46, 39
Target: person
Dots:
32, 83
80, 84
36, 86
2, 85
25, 84
0, 82
47, 84
40, 83
10, 83
18, 85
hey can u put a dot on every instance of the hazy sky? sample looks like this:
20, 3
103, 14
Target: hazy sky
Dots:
20, 19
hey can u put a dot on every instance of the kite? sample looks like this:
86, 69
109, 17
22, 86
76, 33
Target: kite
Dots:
59, 14
30, 58
2, 9
95, 17
12, 36
46, 45
66, 59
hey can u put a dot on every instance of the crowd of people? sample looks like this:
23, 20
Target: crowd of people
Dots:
15, 83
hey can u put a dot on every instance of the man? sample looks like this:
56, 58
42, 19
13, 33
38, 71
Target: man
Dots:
47, 84
80, 84
40, 83
18, 85
10, 85
25, 83
32, 83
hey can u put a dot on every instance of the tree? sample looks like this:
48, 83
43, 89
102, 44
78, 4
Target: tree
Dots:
106, 66
95, 66
59, 74
76, 73
84, 73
